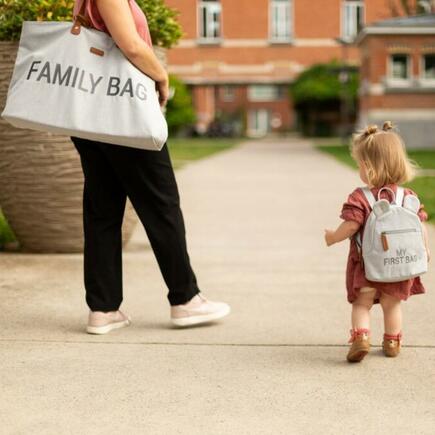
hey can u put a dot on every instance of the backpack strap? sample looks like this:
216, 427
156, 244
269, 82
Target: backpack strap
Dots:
369, 196
371, 200
400, 194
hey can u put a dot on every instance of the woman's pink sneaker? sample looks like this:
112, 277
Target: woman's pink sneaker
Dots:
100, 322
197, 311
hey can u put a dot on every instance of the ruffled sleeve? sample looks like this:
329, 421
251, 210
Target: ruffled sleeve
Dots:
353, 209
421, 212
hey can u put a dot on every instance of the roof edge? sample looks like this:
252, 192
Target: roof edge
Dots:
374, 30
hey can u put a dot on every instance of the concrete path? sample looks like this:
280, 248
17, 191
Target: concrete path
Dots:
255, 217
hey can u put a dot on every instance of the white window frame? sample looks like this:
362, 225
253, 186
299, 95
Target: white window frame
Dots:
425, 81
285, 9
253, 89
209, 36
353, 5
227, 93
392, 81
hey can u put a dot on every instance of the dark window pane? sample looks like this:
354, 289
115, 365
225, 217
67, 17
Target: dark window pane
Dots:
399, 66
429, 66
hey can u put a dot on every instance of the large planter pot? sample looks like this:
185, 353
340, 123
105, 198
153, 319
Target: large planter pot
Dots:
41, 181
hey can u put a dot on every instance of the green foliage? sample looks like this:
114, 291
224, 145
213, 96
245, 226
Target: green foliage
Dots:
164, 28
6, 234
14, 12
321, 83
162, 21
179, 111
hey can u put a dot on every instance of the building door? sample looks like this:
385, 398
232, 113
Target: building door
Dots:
258, 122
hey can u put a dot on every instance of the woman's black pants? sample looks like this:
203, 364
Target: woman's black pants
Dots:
113, 173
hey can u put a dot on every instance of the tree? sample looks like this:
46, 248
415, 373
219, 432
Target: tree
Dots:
321, 82
325, 97
162, 20
179, 110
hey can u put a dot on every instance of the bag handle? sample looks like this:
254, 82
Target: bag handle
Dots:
398, 196
80, 19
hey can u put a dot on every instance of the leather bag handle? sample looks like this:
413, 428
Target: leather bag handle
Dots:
80, 19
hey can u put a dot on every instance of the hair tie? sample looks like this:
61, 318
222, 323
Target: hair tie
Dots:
388, 125
370, 129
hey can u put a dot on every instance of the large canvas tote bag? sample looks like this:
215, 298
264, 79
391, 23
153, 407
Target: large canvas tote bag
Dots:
73, 80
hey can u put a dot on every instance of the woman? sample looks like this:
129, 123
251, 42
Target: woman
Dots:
113, 173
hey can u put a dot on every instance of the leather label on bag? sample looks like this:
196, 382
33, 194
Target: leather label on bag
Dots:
78, 78
96, 51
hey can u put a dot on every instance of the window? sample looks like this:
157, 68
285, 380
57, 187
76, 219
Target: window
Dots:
280, 20
227, 93
429, 66
352, 19
264, 93
399, 67
209, 20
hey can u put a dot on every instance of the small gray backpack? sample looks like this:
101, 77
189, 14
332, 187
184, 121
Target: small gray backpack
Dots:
393, 247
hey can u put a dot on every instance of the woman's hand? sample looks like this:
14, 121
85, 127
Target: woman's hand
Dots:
162, 88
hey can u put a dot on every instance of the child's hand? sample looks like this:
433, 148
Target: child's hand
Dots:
329, 237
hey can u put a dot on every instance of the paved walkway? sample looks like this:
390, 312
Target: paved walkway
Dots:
255, 217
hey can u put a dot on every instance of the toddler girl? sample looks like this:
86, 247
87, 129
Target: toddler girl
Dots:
383, 163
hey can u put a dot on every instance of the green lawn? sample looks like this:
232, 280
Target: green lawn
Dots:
423, 186
182, 151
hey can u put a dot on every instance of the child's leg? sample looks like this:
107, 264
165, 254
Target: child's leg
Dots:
392, 314
393, 325
361, 308
360, 333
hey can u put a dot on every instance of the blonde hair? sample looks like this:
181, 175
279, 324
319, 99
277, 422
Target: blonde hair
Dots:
383, 154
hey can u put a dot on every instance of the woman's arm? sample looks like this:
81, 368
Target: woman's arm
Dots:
344, 231
118, 19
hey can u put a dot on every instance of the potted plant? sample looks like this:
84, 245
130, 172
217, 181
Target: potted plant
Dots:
41, 180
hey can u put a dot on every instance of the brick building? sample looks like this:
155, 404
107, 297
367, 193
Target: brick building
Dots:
240, 56
398, 76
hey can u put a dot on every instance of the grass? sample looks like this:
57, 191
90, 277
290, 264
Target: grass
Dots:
423, 186
340, 152
182, 151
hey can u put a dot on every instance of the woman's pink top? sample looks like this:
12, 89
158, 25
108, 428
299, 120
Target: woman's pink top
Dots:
97, 22
357, 209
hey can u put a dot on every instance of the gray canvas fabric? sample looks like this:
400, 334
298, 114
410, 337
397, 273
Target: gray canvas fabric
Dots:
59, 85
393, 244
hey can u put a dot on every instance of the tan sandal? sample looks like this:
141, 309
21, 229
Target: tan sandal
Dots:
392, 345
360, 339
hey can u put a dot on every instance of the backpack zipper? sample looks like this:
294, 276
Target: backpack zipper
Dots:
384, 239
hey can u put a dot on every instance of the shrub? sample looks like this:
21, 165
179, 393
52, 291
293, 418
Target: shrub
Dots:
321, 83
162, 21
179, 111
318, 96
164, 28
